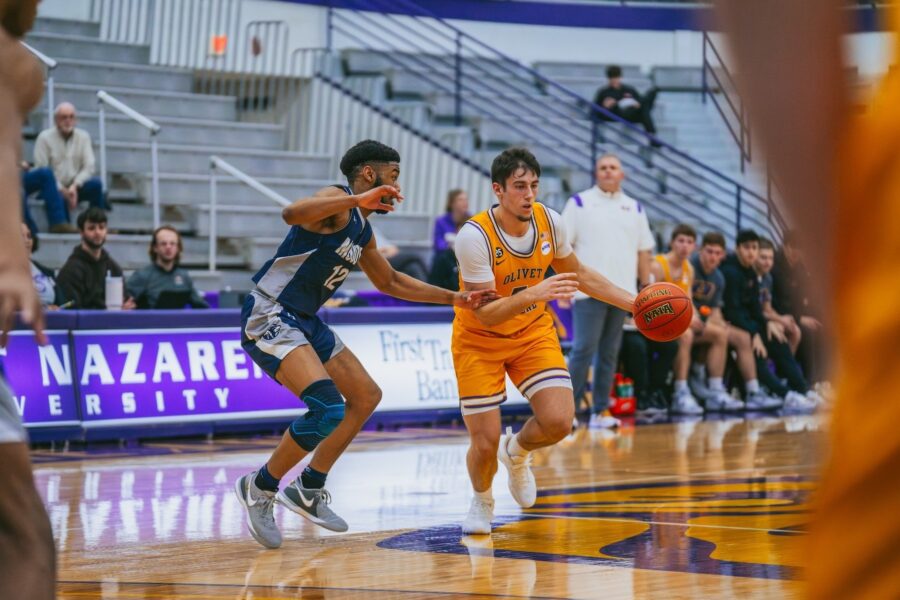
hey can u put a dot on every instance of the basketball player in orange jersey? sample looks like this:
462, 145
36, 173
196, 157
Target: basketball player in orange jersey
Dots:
675, 267
510, 247
27, 557
840, 175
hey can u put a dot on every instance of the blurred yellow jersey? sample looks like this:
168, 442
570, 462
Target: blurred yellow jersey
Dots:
856, 538
687, 273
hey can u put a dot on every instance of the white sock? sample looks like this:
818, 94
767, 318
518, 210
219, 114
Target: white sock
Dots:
753, 386
486, 496
716, 384
680, 385
514, 448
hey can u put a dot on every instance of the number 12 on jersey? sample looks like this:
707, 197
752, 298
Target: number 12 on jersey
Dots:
337, 277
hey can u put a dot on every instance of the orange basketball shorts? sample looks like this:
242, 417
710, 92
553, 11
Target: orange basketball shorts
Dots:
531, 357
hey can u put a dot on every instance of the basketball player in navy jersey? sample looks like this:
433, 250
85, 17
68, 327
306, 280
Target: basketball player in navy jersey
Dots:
280, 330
27, 557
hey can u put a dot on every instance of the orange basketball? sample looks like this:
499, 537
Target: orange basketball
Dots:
662, 311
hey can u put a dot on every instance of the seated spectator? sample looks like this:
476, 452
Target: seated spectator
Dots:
67, 151
83, 277
405, 262
625, 102
455, 214
44, 281
162, 283
791, 290
743, 311
43, 182
781, 327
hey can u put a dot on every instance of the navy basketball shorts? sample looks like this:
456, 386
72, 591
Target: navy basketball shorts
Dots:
269, 332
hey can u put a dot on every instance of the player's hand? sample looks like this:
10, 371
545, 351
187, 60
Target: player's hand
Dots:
559, 287
475, 299
564, 304
759, 348
17, 293
380, 198
810, 323
775, 330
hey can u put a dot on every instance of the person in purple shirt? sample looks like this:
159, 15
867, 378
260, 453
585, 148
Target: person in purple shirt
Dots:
446, 226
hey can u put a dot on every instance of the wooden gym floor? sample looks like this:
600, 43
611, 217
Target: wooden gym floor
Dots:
710, 509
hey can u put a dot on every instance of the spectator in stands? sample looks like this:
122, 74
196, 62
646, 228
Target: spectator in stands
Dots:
83, 277
401, 260
709, 327
455, 214
791, 291
781, 327
42, 182
445, 270
625, 102
611, 234
67, 150
162, 283
44, 281
743, 311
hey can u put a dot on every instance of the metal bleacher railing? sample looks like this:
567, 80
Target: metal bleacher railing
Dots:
542, 113
103, 100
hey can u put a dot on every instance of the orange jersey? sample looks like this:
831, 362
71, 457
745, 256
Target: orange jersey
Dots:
513, 272
856, 537
687, 273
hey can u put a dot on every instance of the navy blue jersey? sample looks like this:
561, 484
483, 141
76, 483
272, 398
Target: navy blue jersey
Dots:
309, 267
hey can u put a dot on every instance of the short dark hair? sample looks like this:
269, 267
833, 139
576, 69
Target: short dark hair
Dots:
451, 196
713, 238
613, 71
683, 229
511, 160
363, 153
746, 235
156, 231
93, 214
766, 244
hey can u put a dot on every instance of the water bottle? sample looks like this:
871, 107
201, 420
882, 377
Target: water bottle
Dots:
114, 292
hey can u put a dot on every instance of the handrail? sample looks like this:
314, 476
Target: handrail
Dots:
216, 162
741, 137
707, 173
104, 99
561, 146
50, 64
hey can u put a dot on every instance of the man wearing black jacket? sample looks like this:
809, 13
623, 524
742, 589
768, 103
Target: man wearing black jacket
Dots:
791, 288
743, 311
624, 101
83, 277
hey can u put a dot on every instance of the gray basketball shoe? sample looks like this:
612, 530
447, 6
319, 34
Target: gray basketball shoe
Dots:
312, 504
260, 516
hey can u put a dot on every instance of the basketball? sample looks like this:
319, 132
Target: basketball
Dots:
662, 311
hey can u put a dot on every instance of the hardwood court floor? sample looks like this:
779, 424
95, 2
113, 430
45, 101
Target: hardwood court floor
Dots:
712, 509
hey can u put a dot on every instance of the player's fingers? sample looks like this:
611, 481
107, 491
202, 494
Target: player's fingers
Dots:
565, 277
386, 207
7, 313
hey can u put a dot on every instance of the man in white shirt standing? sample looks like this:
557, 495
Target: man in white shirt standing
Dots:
67, 150
610, 232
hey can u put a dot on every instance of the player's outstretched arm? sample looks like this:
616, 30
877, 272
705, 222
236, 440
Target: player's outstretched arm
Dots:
594, 284
400, 285
330, 201
558, 287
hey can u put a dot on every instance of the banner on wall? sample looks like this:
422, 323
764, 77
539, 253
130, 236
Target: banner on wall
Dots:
146, 376
41, 378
